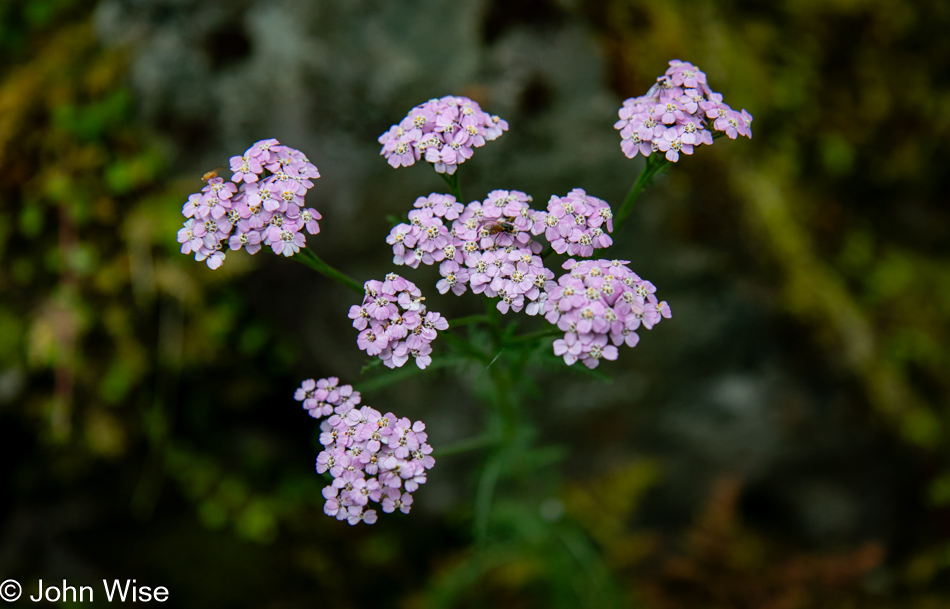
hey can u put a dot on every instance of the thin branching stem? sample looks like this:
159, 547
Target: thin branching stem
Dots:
654, 165
454, 186
316, 263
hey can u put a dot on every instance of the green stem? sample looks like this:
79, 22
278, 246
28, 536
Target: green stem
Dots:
453, 182
655, 164
307, 257
508, 425
483, 495
465, 347
502, 381
385, 379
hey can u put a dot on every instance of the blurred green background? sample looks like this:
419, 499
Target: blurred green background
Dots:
781, 443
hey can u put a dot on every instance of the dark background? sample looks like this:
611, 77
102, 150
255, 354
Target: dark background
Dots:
780, 443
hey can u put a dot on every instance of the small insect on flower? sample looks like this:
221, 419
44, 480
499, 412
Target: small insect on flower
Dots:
661, 84
500, 226
211, 174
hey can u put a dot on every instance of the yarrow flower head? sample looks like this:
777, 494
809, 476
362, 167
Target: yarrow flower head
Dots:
600, 304
576, 224
372, 457
394, 323
443, 131
262, 206
488, 246
676, 115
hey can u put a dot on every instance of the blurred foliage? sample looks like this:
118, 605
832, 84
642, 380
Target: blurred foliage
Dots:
721, 561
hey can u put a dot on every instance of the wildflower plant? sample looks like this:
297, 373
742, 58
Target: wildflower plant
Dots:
500, 247
394, 324
443, 131
266, 210
371, 457
677, 114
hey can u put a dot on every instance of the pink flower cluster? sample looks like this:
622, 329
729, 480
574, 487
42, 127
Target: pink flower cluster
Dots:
489, 244
488, 247
266, 210
599, 304
574, 224
394, 324
371, 456
443, 131
676, 115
